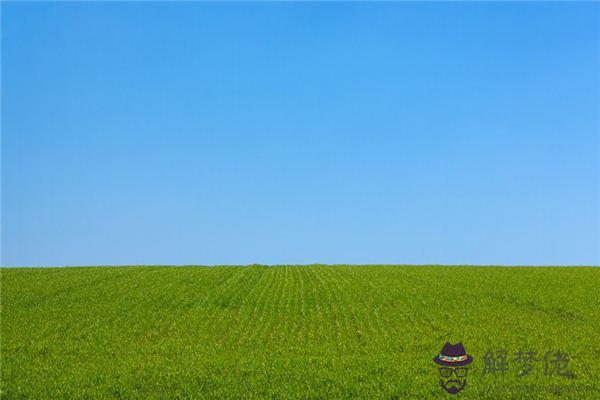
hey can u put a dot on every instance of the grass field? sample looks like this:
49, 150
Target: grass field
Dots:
292, 332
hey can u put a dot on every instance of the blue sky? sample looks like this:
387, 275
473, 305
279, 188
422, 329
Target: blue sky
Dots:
205, 133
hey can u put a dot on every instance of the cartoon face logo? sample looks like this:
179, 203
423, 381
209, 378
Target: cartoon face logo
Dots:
453, 361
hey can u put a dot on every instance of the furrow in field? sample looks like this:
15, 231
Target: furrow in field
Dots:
261, 314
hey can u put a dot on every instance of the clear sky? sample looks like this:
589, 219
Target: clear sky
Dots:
204, 133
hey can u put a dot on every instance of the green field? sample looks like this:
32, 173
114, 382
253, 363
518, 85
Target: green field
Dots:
292, 332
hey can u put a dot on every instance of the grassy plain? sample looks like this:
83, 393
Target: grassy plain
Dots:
291, 332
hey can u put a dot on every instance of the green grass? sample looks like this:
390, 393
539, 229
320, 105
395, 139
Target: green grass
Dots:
307, 332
